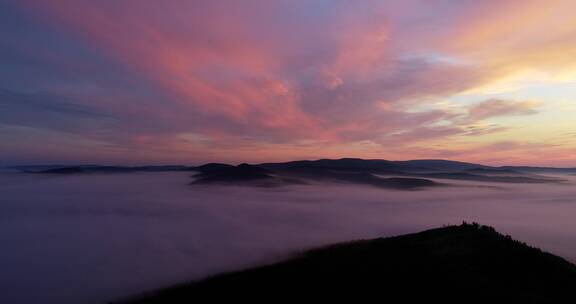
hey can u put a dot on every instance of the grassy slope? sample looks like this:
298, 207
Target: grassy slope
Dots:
456, 264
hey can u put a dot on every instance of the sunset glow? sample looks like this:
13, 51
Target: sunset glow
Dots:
139, 81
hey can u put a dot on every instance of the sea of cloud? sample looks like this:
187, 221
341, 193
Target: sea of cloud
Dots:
93, 238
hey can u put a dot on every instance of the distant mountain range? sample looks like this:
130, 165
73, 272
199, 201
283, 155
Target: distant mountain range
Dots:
469, 263
407, 175
274, 175
413, 166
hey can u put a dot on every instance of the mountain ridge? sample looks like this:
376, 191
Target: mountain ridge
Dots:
403, 175
468, 263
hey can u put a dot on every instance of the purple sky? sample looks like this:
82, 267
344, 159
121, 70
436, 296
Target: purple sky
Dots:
139, 81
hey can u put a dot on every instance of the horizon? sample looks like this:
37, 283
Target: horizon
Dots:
491, 82
191, 164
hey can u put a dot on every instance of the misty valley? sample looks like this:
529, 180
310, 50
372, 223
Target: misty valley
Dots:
97, 234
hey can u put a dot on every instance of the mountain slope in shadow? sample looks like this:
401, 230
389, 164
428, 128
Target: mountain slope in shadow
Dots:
424, 169
415, 173
245, 174
222, 173
456, 264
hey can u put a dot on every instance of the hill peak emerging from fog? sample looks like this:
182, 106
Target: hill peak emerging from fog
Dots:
469, 263
402, 175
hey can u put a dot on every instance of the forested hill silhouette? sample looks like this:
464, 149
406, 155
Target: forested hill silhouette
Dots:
216, 173
424, 169
398, 175
256, 175
469, 263
411, 174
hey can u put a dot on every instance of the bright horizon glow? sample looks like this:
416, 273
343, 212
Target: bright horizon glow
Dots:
144, 82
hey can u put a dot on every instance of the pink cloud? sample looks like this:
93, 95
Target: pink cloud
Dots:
499, 107
267, 76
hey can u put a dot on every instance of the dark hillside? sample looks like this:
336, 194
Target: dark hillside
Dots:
457, 264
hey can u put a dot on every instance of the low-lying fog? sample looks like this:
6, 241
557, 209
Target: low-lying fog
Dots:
97, 237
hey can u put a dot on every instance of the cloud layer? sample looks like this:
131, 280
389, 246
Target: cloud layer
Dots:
258, 80
95, 238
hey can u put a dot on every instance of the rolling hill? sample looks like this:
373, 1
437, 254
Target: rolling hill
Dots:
469, 263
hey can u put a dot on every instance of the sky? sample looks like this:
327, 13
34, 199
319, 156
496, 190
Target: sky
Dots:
192, 81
